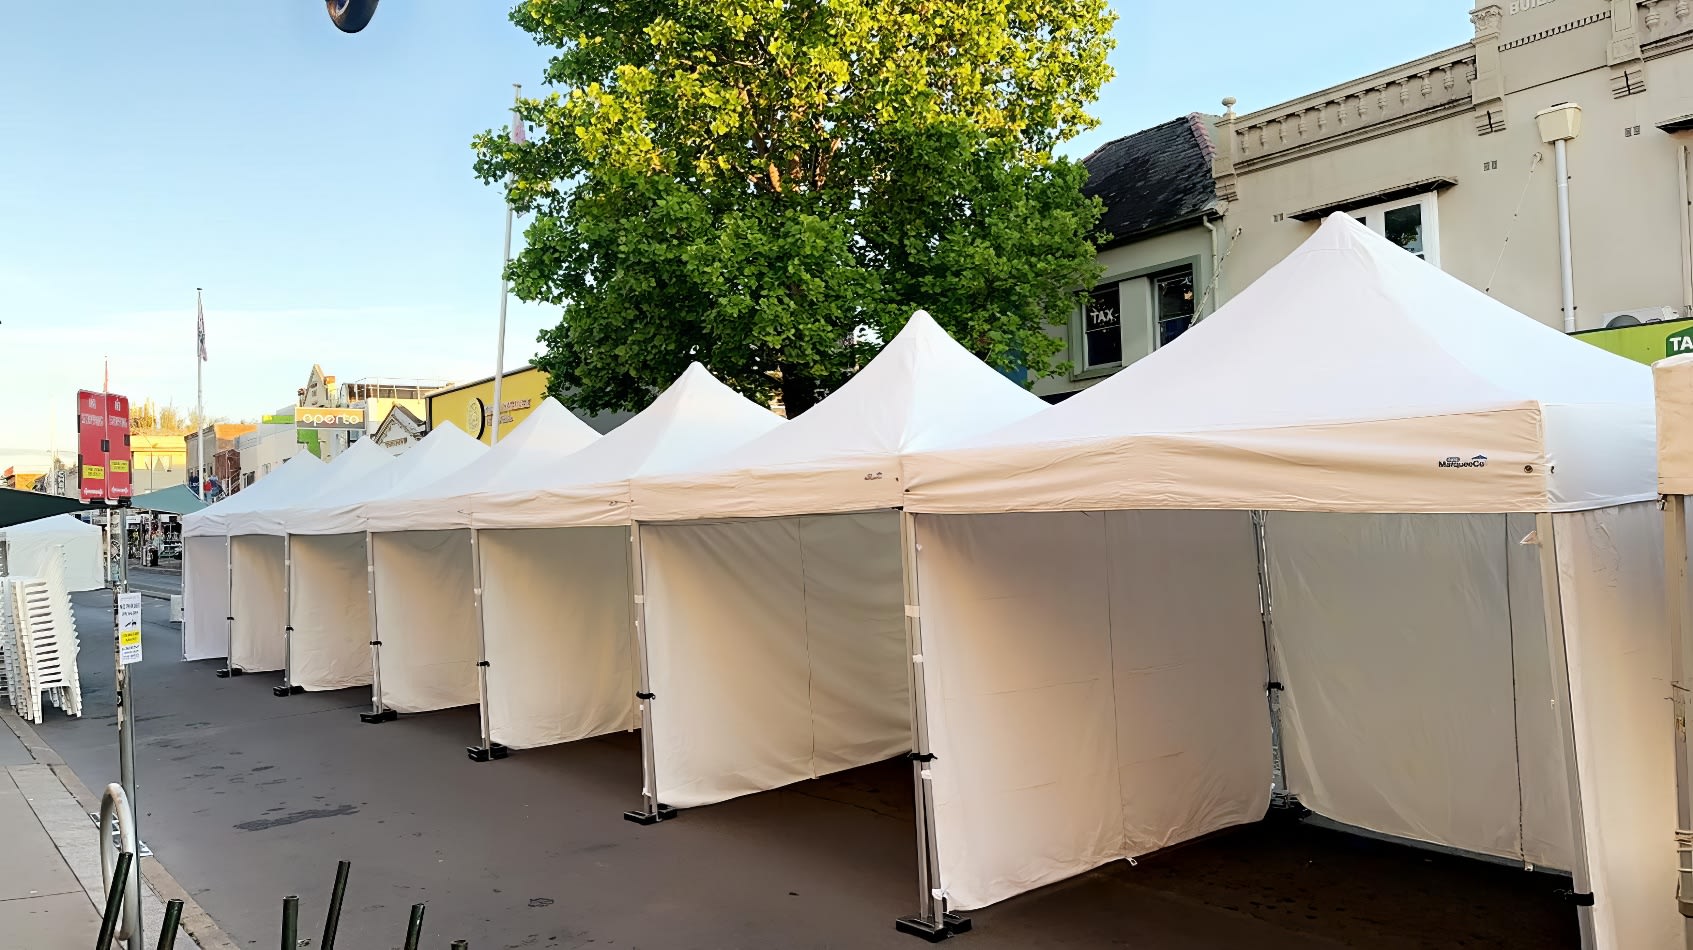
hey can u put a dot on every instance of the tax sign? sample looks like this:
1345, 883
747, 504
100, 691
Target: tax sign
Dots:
102, 441
1678, 343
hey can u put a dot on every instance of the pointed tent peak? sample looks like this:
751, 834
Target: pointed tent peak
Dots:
445, 447
549, 424
695, 417
922, 390
362, 456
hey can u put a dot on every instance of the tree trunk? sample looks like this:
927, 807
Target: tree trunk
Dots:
799, 393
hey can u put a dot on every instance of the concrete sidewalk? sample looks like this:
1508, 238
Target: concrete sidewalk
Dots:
51, 894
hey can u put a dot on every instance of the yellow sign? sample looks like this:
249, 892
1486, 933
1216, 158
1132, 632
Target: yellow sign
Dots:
120, 465
93, 471
520, 392
129, 638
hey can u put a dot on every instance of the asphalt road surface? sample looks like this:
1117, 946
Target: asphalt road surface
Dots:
247, 797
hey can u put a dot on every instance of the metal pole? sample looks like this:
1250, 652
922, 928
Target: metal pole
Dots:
1681, 666
199, 399
124, 690
172, 920
505, 289
114, 898
1556, 649
229, 621
332, 922
488, 749
378, 712
1566, 269
652, 810
290, 923
1272, 681
932, 920
414, 929
287, 687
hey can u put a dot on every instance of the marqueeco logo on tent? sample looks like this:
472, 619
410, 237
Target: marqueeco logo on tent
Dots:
1453, 461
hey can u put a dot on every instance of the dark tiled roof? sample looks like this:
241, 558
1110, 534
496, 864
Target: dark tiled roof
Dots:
1152, 179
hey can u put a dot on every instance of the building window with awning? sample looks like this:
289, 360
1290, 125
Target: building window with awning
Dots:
1409, 223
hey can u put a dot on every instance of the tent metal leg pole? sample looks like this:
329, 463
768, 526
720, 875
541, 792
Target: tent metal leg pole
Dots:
378, 712
287, 688
229, 667
932, 922
489, 749
1280, 797
1681, 666
652, 811
1557, 648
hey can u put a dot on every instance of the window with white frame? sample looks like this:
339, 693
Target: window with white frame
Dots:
1125, 320
1172, 304
1411, 223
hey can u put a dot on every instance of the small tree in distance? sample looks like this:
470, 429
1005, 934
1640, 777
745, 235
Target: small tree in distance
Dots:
753, 184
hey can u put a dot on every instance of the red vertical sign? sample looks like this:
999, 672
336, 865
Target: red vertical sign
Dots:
91, 443
118, 484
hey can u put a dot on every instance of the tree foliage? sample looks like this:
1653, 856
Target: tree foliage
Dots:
773, 186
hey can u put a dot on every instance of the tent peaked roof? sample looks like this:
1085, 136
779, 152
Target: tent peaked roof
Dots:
293, 480
1350, 376
922, 390
339, 511
547, 436
696, 417
177, 500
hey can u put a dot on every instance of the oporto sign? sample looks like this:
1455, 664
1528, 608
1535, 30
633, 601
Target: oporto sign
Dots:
1453, 461
312, 418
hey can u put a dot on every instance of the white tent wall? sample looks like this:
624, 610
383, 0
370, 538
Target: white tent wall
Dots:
426, 619
1610, 575
205, 597
258, 602
1095, 689
555, 605
777, 651
29, 547
330, 611
1418, 692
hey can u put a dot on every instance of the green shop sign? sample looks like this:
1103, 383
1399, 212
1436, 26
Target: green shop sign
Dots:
1645, 343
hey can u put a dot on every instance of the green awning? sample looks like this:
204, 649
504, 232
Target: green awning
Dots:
175, 500
17, 507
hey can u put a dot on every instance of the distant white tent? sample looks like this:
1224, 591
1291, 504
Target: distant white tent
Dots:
258, 558
1448, 507
329, 602
206, 555
772, 583
30, 547
554, 566
420, 552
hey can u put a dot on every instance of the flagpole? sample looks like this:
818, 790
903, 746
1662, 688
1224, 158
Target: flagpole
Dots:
505, 285
200, 393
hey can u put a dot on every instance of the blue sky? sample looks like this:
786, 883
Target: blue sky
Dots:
318, 185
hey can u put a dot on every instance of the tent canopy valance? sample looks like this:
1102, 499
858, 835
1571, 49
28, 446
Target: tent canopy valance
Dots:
1350, 377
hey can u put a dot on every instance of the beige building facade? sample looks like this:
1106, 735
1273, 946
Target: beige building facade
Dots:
1445, 156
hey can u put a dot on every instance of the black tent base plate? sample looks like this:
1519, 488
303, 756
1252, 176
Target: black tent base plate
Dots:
231, 671
664, 813
386, 715
494, 751
949, 925
287, 690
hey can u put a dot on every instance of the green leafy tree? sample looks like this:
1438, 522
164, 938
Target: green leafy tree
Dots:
773, 186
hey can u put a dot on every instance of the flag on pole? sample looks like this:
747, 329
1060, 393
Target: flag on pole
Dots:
200, 309
517, 133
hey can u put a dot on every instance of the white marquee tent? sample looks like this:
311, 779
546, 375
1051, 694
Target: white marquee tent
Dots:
554, 568
772, 582
329, 600
206, 553
32, 544
1448, 505
258, 559
423, 573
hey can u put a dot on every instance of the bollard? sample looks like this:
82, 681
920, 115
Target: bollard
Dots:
291, 923
173, 919
332, 923
114, 899
414, 930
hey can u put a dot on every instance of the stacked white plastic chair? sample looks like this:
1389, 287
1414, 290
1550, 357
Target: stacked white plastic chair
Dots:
38, 637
